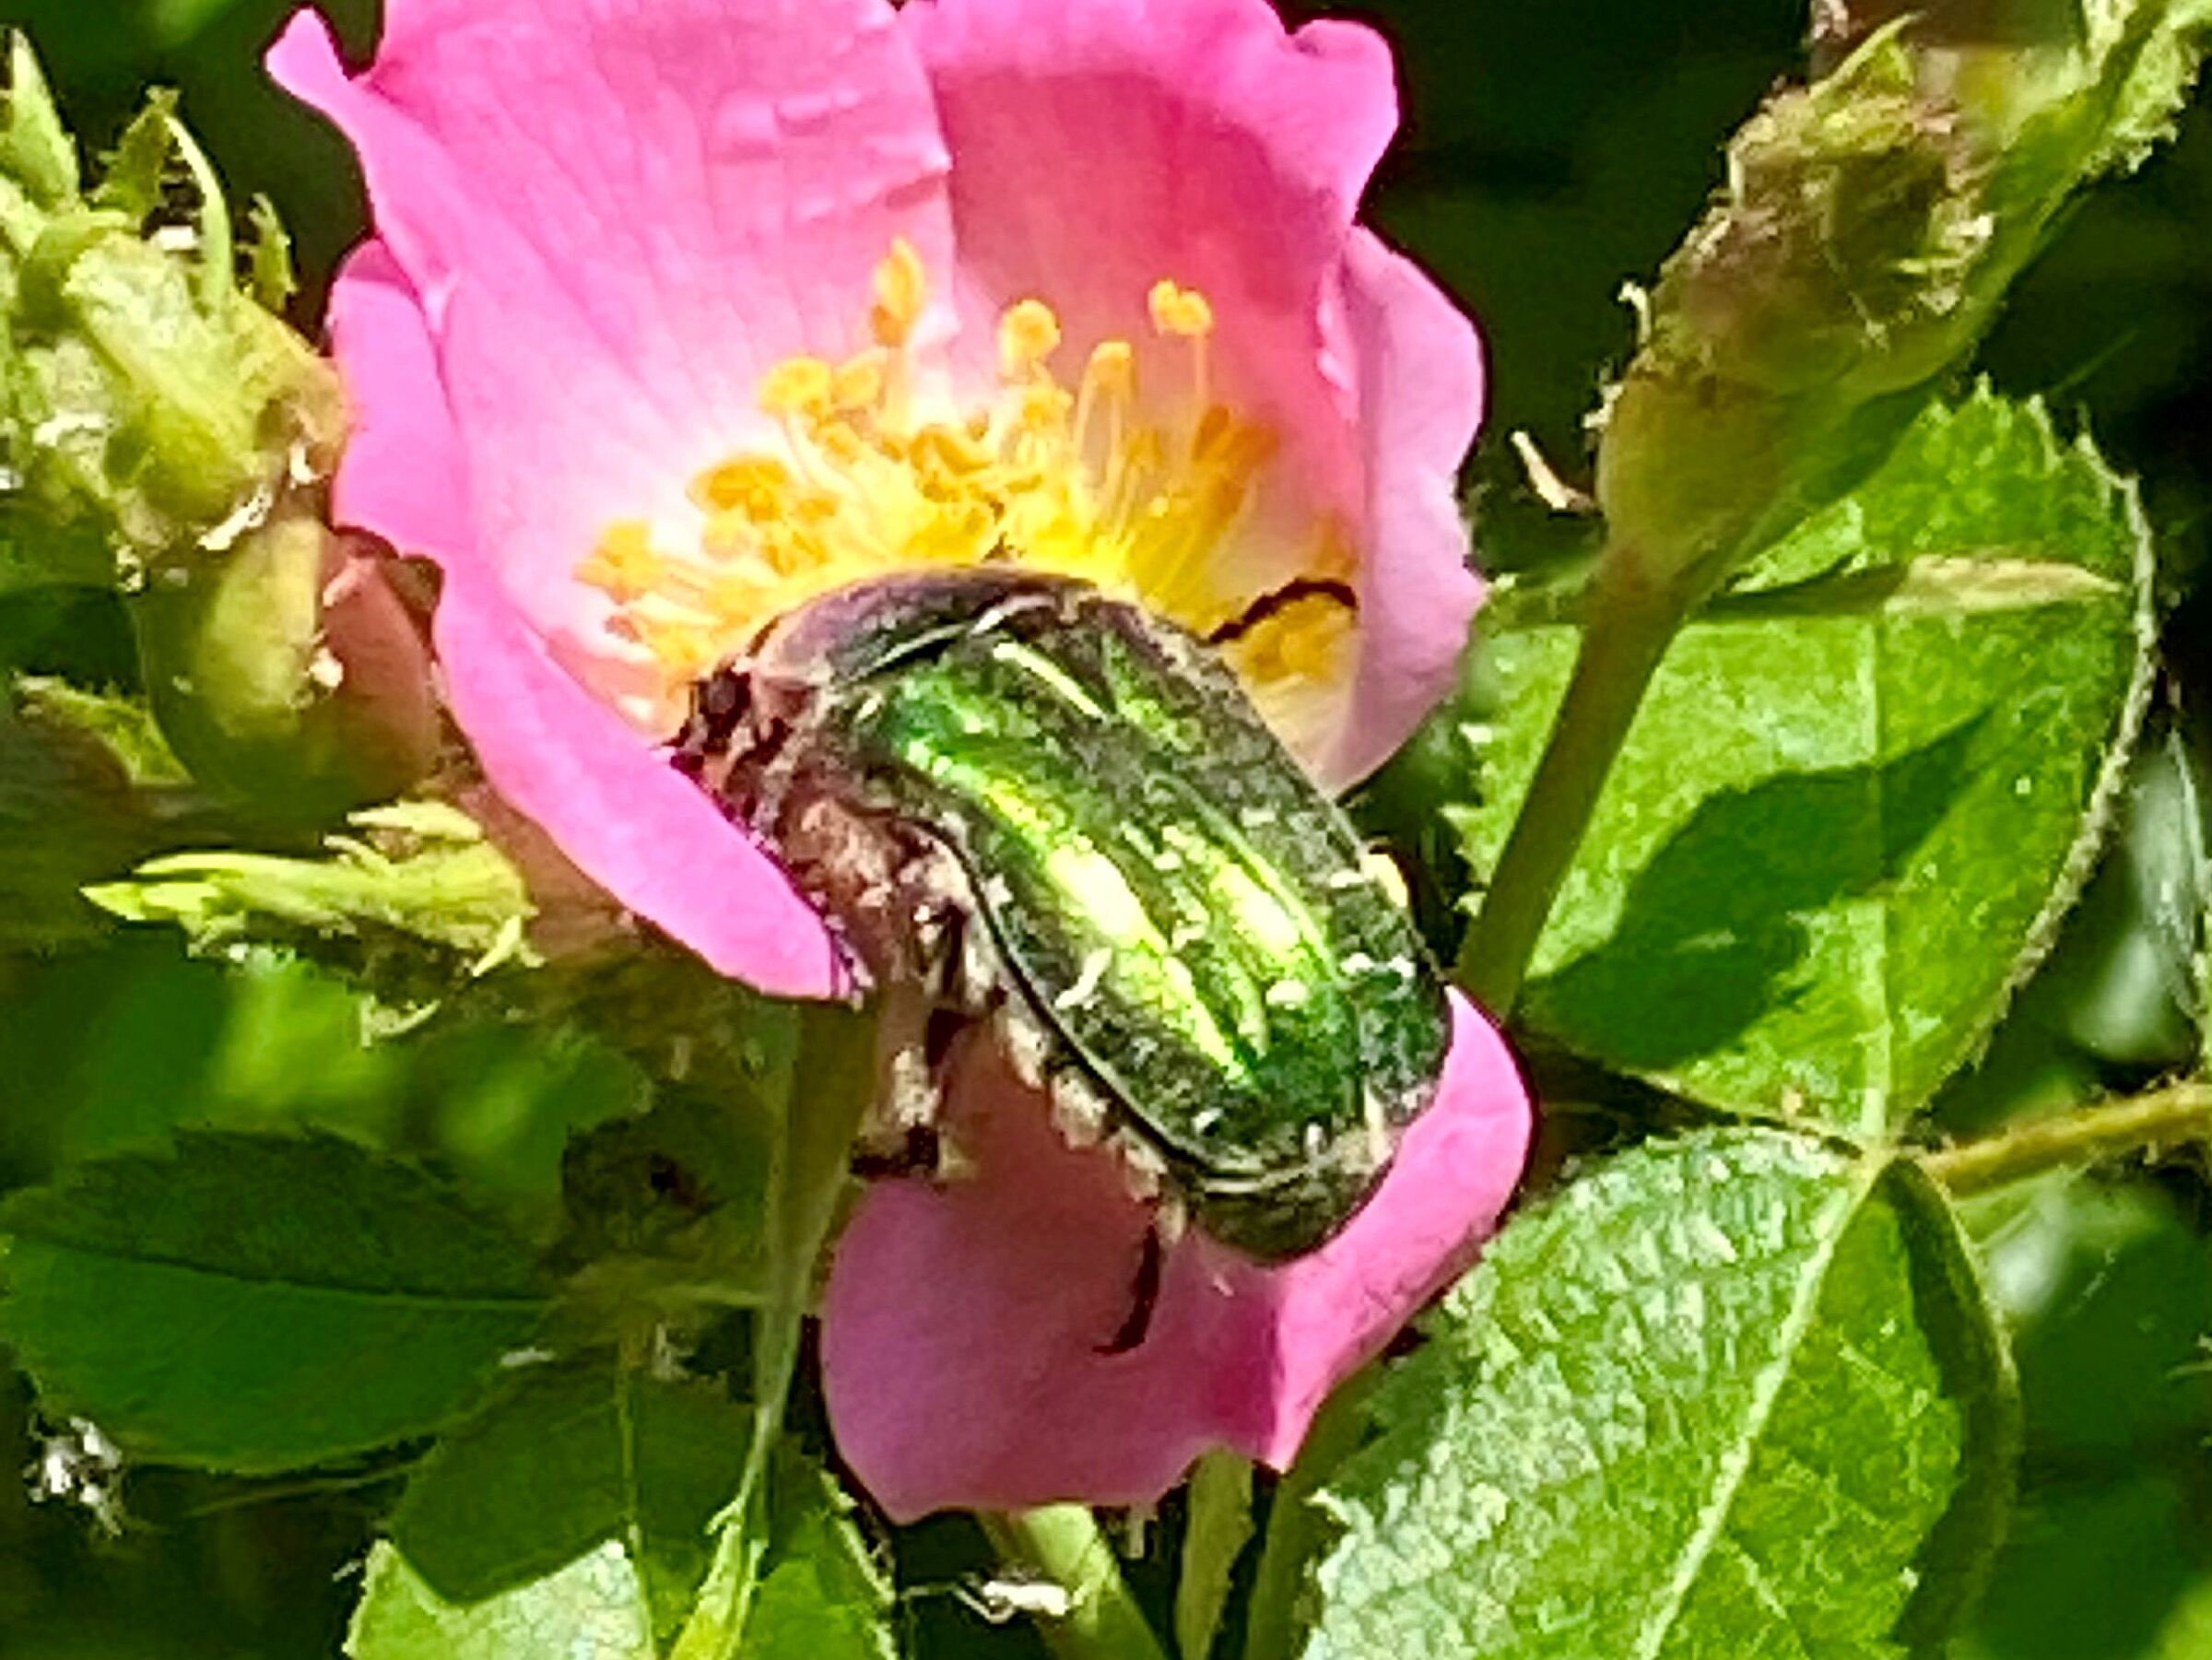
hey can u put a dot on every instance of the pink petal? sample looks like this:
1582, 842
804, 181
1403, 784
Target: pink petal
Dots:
611, 803
964, 1324
598, 222
1422, 397
616, 808
1100, 145
617, 215
402, 473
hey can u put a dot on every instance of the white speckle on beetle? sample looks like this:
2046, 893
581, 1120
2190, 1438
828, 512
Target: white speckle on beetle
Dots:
1358, 963
1288, 993
1095, 964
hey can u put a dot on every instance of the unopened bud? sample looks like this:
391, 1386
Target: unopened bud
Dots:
1840, 27
1870, 225
144, 397
288, 675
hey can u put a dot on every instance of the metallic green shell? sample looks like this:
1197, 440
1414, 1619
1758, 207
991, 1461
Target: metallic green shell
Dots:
1191, 920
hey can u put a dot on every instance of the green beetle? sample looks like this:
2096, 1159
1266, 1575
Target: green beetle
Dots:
1029, 802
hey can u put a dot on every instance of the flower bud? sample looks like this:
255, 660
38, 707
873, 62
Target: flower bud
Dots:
289, 675
162, 430
1870, 225
143, 396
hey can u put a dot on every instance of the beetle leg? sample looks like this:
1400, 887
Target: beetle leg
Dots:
718, 706
906, 1089
920, 1156
1079, 1111
1144, 1171
1024, 1041
1145, 1295
1170, 1219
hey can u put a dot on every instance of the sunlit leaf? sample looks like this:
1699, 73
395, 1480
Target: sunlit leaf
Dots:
1861, 795
1732, 1395
260, 1303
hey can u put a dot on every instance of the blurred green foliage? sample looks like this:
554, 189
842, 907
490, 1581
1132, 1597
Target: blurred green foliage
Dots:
1553, 151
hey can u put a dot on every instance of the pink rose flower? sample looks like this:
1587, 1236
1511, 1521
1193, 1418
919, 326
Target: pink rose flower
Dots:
680, 312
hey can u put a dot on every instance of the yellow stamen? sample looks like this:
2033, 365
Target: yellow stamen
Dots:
901, 296
1091, 480
624, 565
1027, 333
756, 485
1183, 314
858, 383
796, 387
1304, 641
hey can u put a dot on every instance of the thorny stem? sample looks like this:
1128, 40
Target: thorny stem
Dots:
1629, 622
2169, 1117
1062, 1544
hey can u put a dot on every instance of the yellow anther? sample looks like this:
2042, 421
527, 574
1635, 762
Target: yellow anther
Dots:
902, 295
858, 383
1111, 369
1303, 642
841, 443
756, 485
796, 387
950, 451
735, 598
1183, 314
1027, 333
624, 565
869, 473
729, 536
686, 650
1044, 408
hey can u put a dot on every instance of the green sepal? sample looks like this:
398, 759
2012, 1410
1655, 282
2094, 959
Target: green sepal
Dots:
416, 897
36, 154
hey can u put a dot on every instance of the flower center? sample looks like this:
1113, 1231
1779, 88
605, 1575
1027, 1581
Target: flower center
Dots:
1138, 496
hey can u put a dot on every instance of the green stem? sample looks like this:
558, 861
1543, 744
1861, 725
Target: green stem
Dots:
1629, 622
1297, 1528
833, 1082
827, 1091
1063, 1544
2169, 1117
